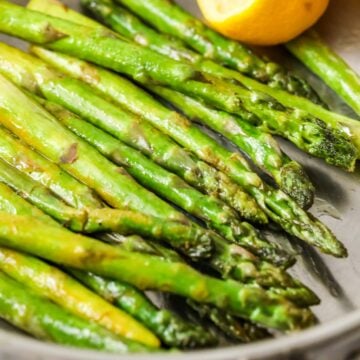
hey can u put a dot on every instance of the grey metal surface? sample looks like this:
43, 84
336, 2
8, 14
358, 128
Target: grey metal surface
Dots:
336, 281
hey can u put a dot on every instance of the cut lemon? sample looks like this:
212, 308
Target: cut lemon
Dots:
262, 22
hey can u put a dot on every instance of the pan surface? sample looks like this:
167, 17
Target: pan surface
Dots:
337, 282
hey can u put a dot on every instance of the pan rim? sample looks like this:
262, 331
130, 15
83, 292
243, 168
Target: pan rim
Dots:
12, 344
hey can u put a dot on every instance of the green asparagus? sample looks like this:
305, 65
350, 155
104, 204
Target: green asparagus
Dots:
330, 67
235, 329
275, 203
271, 120
169, 186
163, 150
270, 117
49, 282
151, 67
47, 321
149, 272
18, 155
99, 220
173, 20
129, 26
241, 266
228, 260
259, 146
168, 328
85, 163
172, 330
187, 80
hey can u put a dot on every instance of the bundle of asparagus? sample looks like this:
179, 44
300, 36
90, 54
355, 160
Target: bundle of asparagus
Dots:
84, 150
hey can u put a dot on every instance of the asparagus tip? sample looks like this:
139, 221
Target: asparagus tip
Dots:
296, 183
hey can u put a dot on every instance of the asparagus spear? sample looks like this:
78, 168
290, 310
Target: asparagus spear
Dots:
173, 20
235, 329
261, 147
47, 321
275, 203
275, 121
191, 82
162, 182
100, 220
184, 79
163, 150
40, 169
232, 229
49, 282
229, 260
148, 272
171, 329
85, 163
18, 155
129, 26
241, 266
330, 67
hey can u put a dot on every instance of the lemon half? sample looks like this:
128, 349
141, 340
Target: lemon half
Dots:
262, 22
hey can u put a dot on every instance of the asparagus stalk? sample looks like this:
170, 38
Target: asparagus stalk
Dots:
100, 220
174, 76
147, 272
235, 329
170, 329
210, 88
31, 163
164, 151
52, 323
85, 163
173, 20
276, 204
169, 186
270, 120
49, 282
180, 78
232, 229
228, 260
261, 147
244, 266
288, 174
330, 67
131, 27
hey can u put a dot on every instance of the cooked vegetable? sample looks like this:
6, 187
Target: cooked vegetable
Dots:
49, 282
279, 207
86, 164
149, 272
173, 20
330, 67
265, 112
100, 220
50, 322
131, 27
229, 261
170, 187
171, 329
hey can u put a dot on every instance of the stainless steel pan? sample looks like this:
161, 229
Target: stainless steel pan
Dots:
336, 281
